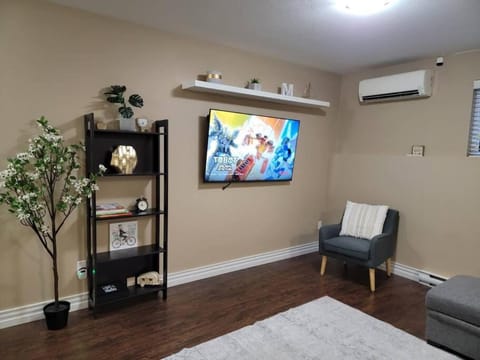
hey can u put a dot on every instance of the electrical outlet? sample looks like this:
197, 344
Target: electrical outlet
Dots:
319, 224
82, 269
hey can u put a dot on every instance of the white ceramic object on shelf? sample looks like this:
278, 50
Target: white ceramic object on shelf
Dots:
255, 86
286, 89
142, 124
214, 76
290, 90
126, 124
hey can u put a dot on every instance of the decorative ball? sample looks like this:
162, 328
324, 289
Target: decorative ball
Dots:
101, 125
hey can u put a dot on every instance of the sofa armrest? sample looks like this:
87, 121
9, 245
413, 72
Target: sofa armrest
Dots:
381, 248
327, 232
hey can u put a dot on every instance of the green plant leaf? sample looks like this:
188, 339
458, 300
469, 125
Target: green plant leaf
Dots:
135, 100
117, 99
116, 90
125, 111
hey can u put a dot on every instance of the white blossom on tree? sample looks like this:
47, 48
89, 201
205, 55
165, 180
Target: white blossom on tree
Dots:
42, 188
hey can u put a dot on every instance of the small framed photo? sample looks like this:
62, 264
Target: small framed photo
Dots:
123, 235
418, 150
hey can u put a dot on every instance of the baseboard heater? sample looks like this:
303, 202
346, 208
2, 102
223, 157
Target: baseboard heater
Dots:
429, 279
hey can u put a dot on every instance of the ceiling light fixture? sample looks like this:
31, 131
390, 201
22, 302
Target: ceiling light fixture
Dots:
363, 7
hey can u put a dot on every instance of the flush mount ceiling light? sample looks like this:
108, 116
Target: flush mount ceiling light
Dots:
363, 7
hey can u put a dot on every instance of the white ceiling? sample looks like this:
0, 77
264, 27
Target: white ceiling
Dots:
311, 32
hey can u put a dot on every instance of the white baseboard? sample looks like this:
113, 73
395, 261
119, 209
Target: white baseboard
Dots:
32, 312
421, 276
203, 272
404, 271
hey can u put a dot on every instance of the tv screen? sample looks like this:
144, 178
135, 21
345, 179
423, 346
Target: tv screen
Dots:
247, 147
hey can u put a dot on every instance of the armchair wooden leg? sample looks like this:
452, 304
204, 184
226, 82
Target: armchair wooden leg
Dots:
324, 264
372, 279
388, 266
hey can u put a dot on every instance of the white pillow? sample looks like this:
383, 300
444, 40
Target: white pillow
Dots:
363, 220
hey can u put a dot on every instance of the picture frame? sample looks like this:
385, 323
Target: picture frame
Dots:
123, 235
418, 150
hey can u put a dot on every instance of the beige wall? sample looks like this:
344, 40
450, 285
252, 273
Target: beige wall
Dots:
437, 195
54, 61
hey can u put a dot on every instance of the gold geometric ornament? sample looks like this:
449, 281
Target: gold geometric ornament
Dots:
124, 158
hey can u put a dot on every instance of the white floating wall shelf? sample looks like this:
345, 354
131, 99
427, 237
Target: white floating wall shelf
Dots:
203, 86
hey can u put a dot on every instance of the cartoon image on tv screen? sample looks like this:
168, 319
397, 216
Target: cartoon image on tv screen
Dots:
244, 147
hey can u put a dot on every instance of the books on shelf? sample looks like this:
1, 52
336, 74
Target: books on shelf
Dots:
110, 209
128, 213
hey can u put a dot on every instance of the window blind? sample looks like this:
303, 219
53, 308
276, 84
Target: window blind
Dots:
474, 140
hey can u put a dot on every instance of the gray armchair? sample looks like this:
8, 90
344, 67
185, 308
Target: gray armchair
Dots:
370, 253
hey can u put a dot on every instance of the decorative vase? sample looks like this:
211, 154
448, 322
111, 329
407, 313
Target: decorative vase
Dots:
127, 124
255, 86
56, 316
214, 76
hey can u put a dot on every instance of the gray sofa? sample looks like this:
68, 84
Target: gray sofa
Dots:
453, 315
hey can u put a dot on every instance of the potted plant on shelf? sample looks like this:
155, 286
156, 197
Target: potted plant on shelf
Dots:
255, 84
115, 96
41, 188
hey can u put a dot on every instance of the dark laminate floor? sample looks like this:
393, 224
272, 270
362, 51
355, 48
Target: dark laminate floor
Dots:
205, 309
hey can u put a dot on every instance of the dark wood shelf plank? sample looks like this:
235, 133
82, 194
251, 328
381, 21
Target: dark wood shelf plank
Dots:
125, 132
131, 292
117, 255
113, 175
132, 214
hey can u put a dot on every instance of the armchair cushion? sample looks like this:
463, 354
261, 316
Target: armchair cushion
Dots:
348, 246
363, 220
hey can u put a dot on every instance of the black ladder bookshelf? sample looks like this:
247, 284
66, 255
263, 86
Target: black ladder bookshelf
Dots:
112, 268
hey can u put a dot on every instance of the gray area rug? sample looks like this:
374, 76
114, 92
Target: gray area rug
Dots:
321, 329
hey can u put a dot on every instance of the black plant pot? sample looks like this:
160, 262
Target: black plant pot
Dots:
56, 316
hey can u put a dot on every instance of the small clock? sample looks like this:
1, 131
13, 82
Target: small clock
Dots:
141, 204
142, 124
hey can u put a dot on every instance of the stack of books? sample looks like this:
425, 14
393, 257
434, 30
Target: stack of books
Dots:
111, 210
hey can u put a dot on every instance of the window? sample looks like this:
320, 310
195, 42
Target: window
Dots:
474, 140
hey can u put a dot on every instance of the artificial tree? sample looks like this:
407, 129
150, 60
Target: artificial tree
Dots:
42, 188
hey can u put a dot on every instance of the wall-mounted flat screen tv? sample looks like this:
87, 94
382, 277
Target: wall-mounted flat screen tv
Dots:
247, 147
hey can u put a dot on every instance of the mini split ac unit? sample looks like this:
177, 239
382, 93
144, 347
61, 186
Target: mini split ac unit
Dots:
409, 85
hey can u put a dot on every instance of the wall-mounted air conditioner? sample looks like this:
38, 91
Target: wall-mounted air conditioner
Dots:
409, 85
